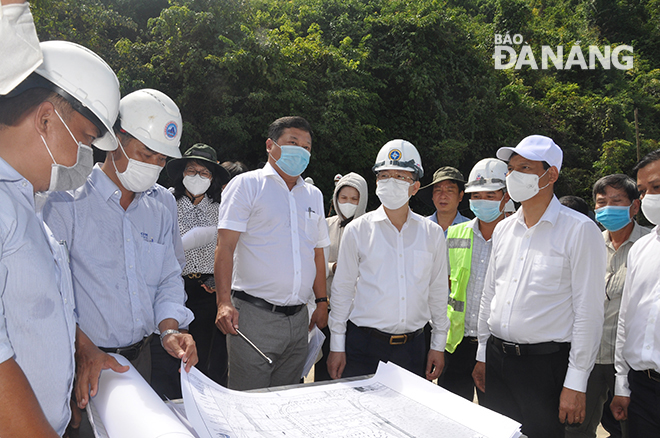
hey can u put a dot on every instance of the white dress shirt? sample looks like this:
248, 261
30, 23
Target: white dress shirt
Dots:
280, 228
394, 281
638, 336
546, 283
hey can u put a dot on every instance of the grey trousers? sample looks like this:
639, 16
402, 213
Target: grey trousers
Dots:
282, 338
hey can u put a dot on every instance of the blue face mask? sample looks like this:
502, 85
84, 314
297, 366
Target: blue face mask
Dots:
485, 210
293, 160
613, 217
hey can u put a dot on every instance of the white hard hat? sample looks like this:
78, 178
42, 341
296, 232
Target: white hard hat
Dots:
153, 118
87, 82
399, 155
487, 175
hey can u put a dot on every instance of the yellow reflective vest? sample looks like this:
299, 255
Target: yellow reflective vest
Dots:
460, 240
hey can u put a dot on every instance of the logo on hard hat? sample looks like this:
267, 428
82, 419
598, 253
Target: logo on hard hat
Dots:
394, 155
171, 129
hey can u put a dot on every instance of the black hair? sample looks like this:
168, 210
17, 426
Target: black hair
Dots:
576, 203
617, 181
276, 128
646, 160
13, 109
234, 167
214, 191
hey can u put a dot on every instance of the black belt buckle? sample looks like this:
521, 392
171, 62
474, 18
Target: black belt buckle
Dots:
510, 345
398, 339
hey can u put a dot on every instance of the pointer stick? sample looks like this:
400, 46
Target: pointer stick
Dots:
268, 359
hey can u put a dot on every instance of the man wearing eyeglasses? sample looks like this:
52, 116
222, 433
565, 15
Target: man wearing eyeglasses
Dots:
391, 279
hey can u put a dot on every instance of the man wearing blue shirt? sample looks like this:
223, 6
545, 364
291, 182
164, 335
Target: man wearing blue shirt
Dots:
126, 277
445, 193
46, 125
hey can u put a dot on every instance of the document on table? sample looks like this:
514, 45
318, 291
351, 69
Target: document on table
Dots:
394, 403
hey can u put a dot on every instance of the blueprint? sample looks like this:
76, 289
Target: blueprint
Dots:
370, 408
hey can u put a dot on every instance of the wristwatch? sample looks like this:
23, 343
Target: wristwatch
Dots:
167, 332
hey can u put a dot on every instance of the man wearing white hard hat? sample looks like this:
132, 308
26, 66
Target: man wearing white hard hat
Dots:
541, 312
391, 279
469, 246
47, 124
126, 277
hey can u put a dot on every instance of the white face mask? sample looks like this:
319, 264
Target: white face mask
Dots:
523, 186
347, 209
70, 178
651, 208
196, 184
19, 51
393, 193
138, 176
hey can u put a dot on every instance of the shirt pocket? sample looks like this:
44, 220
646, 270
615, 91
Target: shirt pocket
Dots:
423, 262
312, 226
152, 260
546, 274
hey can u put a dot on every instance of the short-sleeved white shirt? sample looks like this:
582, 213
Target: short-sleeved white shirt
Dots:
280, 228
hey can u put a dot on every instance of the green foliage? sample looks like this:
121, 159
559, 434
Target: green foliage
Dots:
367, 71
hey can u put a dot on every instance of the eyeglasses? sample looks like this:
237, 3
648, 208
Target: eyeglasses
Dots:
384, 176
192, 172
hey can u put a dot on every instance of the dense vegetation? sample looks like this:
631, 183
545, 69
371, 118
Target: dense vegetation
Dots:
367, 71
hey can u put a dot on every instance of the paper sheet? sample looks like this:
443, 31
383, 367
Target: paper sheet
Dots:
129, 408
394, 403
314, 343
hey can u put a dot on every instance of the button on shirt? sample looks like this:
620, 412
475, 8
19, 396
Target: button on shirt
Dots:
615, 277
274, 256
167, 198
126, 278
394, 281
546, 283
638, 336
475, 286
38, 324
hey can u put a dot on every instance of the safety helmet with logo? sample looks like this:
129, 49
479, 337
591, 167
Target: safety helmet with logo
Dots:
399, 155
488, 175
84, 80
154, 119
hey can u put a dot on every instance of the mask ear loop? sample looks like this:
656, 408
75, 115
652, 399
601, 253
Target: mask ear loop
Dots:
112, 156
67, 127
48, 149
542, 177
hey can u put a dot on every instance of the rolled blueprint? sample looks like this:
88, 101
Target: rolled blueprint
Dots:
130, 408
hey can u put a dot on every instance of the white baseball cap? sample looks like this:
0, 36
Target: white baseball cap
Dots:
535, 148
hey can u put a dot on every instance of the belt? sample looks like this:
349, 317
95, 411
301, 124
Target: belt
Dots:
259, 302
514, 349
132, 351
388, 337
197, 276
652, 374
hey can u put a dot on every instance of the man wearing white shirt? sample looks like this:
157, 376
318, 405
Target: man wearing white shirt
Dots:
637, 355
391, 279
541, 314
269, 261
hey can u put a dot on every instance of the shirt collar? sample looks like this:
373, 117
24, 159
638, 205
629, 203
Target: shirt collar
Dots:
380, 215
270, 171
635, 234
550, 214
103, 184
8, 173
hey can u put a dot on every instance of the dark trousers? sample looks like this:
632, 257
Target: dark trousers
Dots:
321, 367
644, 408
363, 352
211, 342
457, 374
527, 388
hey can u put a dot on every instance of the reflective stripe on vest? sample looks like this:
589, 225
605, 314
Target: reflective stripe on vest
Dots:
460, 240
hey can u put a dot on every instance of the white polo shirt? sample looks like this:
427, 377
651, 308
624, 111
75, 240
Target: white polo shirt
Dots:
274, 256
546, 283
